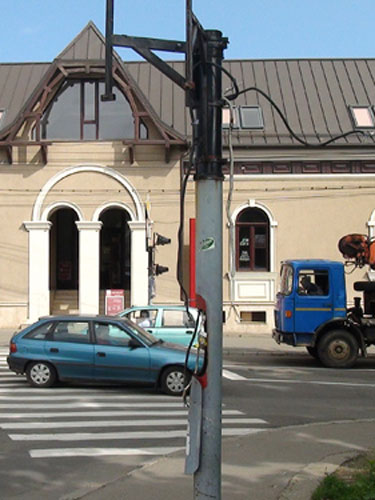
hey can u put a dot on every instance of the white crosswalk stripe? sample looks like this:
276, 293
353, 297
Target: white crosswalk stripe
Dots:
155, 424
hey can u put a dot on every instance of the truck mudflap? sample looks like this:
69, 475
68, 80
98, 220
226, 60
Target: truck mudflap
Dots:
361, 341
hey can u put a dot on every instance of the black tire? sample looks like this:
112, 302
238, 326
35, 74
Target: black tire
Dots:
313, 351
172, 381
338, 349
41, 374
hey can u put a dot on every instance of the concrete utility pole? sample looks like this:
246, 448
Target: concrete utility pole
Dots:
203, 85
209, 261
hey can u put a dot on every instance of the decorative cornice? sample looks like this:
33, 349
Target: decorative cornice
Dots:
37, 225
89, 225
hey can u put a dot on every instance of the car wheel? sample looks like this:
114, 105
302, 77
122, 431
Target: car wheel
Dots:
41, 374
312, 351
338, 349
172, 380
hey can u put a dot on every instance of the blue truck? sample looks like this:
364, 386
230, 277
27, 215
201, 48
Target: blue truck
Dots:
311, 311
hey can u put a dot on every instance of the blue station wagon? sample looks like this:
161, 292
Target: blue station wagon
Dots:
97, 348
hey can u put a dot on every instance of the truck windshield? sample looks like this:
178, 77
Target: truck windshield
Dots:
286, 280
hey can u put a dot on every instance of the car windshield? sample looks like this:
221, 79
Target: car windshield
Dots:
286, 280
140, 333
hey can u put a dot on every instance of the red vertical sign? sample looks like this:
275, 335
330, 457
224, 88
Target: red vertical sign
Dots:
192, 265
114, 302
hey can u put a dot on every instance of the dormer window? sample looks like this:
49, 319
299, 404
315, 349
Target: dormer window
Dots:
77, 113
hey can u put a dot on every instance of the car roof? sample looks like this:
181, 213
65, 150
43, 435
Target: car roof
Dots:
301, 263
160, 306
81, 317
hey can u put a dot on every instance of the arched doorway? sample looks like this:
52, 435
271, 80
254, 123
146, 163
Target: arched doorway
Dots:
115, 251
64, 261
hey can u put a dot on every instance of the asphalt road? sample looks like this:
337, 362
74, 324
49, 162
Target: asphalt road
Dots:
63, 442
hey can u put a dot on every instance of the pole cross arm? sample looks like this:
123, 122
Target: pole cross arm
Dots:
138, 42
144, 47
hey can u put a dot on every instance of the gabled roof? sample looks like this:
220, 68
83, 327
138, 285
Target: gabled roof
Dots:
88, 44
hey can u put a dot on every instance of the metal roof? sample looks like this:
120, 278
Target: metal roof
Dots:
17, 82
313, 94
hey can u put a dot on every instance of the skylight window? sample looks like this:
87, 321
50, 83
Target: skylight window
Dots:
362, 116
244, 117
251, 117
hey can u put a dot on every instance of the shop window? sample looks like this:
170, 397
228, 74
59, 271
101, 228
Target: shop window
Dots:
252, 240
78, 113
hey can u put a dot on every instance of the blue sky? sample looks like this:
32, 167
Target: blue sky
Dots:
37, 30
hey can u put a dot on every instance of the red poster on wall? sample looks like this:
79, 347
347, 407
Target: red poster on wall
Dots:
114, 302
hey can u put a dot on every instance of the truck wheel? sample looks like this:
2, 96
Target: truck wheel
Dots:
338, 349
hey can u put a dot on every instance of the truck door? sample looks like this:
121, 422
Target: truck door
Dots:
313, 299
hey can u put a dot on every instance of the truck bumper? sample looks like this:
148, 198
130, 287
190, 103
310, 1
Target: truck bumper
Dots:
283, 338
294, 339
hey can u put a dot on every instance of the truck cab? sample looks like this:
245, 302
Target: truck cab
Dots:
311, 303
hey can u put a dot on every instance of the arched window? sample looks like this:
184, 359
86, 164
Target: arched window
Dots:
252, 240
78, 113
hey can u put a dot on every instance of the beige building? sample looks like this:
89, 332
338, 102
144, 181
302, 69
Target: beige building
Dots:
85, 184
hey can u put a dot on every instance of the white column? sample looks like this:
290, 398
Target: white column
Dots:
39, 267
89, 264
139, 264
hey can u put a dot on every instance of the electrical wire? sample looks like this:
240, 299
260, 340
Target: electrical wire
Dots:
187, 355
283, 118
237, 93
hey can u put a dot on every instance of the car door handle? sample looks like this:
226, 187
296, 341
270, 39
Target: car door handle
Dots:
54, 349
189, 332
101, 354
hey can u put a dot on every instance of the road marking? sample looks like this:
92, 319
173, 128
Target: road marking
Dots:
81, 397
101, 452
153, 413
89, 436
122, 423
89, 404
232, 376
311, 382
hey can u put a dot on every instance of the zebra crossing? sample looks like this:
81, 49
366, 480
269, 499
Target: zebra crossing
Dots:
100, 421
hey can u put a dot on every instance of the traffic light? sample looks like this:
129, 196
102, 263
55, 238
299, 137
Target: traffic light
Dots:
160, 269
162, 240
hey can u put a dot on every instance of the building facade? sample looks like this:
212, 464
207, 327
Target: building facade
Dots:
85, 184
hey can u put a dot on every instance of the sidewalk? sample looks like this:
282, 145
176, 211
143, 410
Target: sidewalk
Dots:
281, 464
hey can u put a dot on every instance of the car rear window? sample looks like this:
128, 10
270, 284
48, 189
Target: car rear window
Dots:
40, 332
